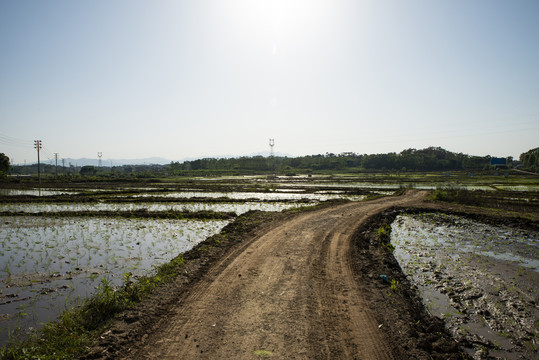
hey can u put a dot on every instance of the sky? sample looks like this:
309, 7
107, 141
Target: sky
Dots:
191, 79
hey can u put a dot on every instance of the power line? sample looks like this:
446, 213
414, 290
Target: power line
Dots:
21, 143
11, 141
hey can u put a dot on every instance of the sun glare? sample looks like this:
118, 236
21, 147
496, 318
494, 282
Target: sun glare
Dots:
280, 21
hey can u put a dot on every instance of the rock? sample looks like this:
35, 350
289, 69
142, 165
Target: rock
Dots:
480, 354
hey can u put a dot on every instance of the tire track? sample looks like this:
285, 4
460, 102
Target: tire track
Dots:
289, 292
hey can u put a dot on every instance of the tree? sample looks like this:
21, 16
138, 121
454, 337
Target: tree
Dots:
4, 163
530, 159
88, 170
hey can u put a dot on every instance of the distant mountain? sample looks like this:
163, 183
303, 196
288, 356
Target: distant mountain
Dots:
109, 162
145, 161
267, 153
148, 161
261, 153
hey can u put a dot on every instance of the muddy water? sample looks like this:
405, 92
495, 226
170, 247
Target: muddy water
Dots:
295, 194
47, 264
35, 192
238, 208
482, 280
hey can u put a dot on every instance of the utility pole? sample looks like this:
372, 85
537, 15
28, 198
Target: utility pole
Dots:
37, 146
56, 158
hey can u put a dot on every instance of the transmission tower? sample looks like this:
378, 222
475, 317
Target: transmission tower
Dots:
38, 146
271, 144
99, 154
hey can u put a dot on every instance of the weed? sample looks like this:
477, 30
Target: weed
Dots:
100, 308
387, 248
7, 269
262, 353
395, 285
447, 315
530, 345
384, 232
464, 330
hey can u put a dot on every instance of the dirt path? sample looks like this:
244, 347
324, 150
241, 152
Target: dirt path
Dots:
289, 293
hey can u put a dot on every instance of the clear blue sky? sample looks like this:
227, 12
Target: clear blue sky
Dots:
178, 79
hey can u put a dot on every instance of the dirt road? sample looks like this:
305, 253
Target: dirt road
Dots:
289, 293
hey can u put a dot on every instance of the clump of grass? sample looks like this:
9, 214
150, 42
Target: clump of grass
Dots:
388, 248
384, 232
262, 353
395, 285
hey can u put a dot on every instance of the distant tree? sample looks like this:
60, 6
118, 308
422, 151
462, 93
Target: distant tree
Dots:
4, 163
509, 160
530, 159
88, 170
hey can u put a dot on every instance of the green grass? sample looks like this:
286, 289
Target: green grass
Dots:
262, 353
395, 285
384, 232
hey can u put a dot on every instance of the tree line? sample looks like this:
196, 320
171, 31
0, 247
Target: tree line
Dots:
429, 159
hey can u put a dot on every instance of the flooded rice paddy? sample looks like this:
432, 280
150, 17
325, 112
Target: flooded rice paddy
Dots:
238, 208
49, 263
35, 192
483, 280
291, 194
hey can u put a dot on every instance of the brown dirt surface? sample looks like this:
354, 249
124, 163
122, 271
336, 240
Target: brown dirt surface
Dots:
303, 286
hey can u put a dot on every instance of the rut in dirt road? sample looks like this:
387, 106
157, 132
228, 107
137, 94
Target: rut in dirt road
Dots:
289, 293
